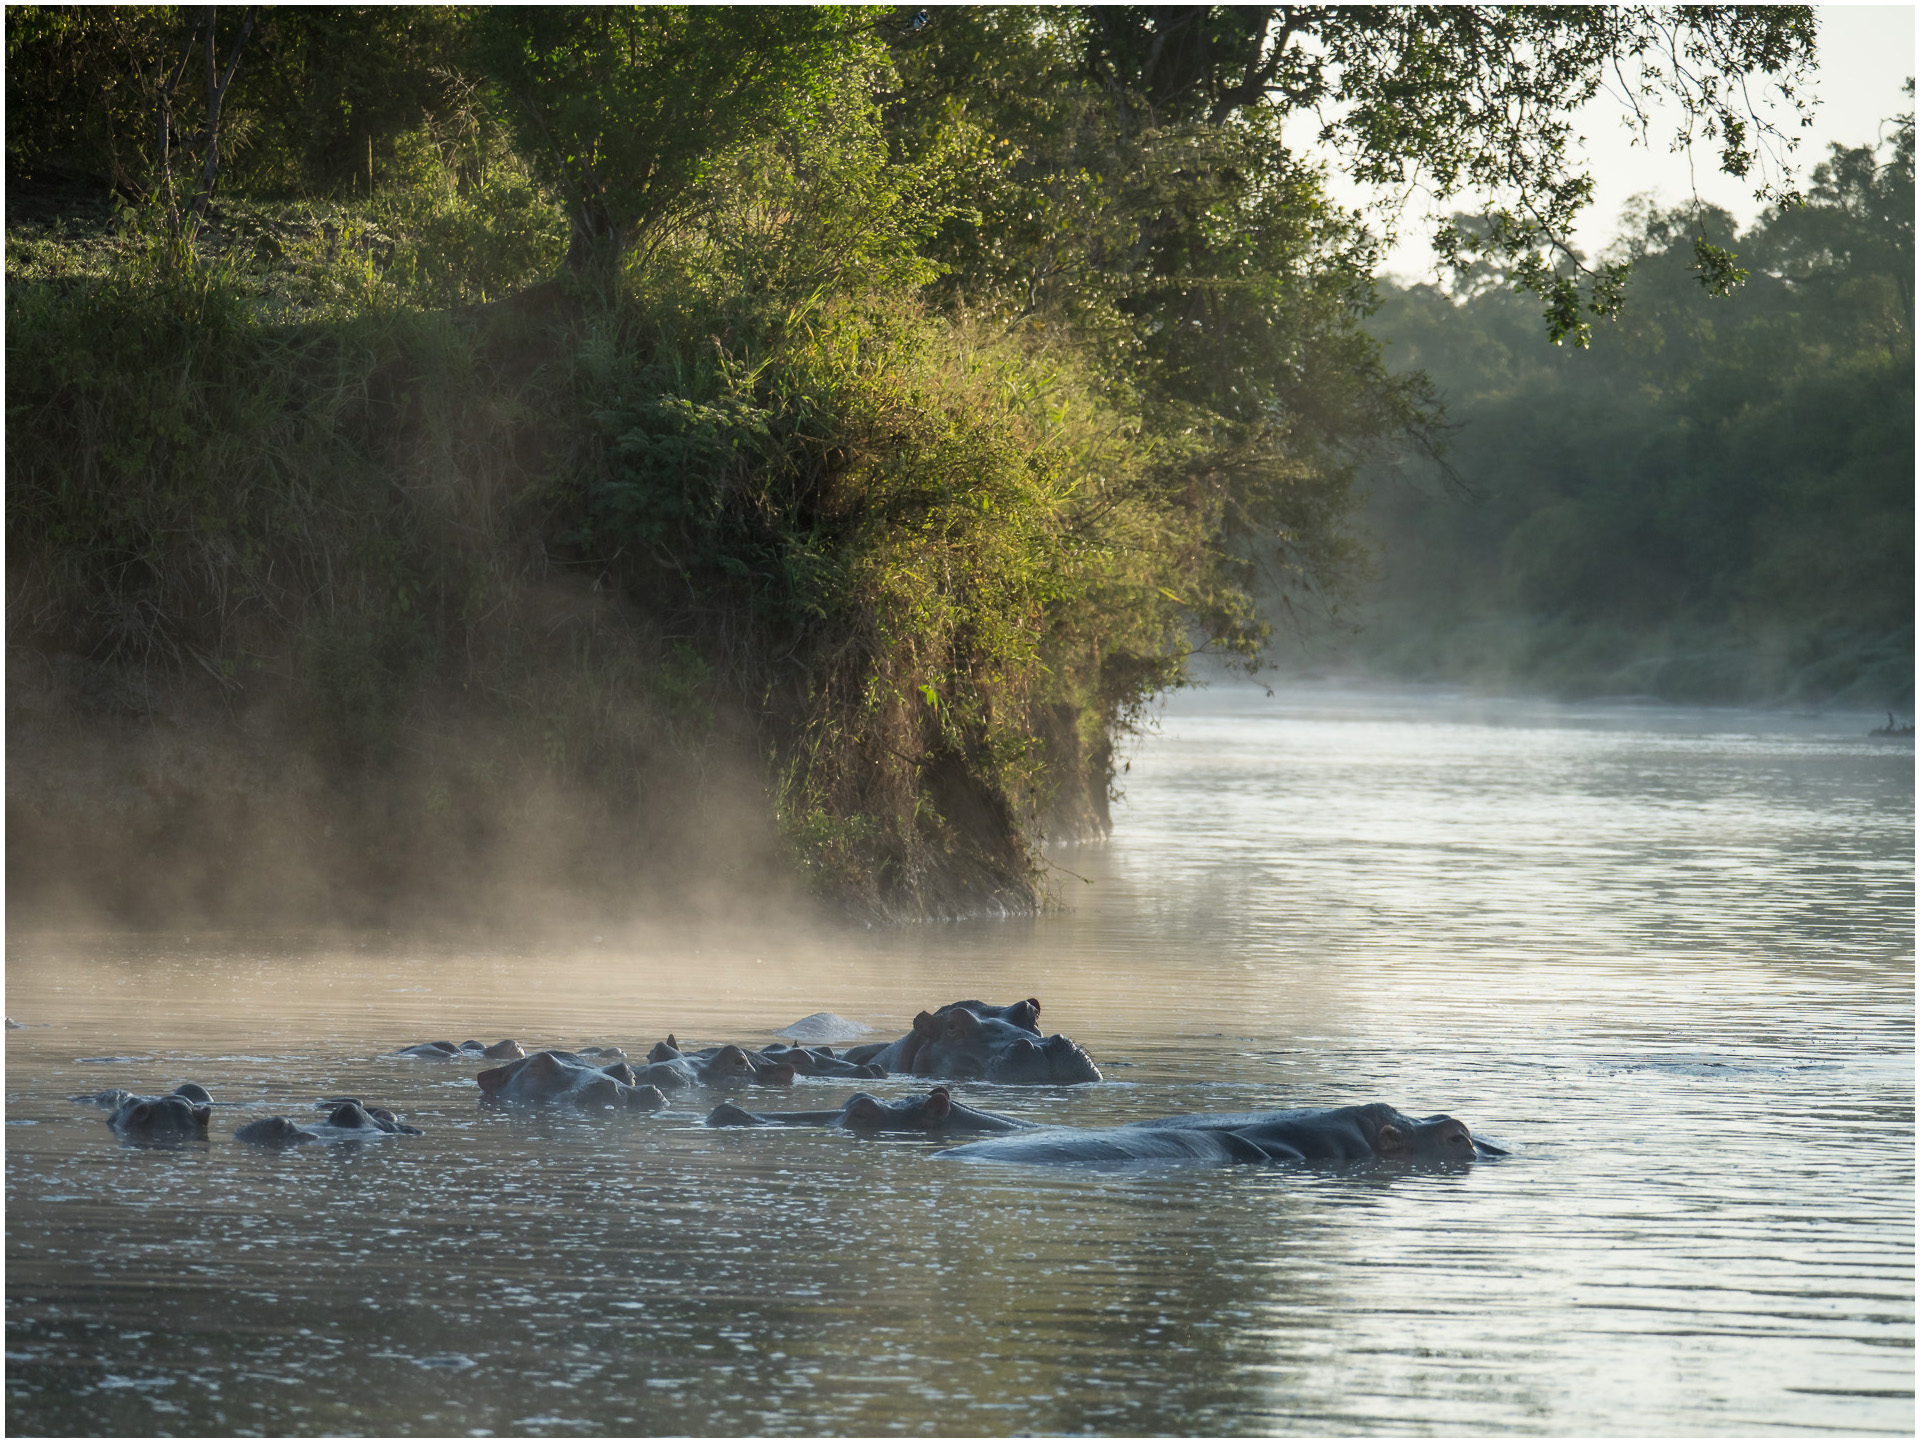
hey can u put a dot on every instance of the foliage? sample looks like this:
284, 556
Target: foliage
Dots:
320, 94
1449, 98
623, 109
905, 534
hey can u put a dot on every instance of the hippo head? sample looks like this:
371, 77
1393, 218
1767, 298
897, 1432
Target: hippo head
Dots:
730, 1067
772, 1073
275, 1132
542, 1075
387, 1122
866, 1113
643, 1098
160, 1119
600, 1091
665, 1051
1430, 1139
1052, 1059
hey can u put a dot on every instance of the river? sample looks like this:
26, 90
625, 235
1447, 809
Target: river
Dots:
1664, 956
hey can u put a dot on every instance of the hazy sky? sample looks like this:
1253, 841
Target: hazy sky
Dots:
1865, 53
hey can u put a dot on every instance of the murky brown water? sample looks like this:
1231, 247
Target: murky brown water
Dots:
1665, 956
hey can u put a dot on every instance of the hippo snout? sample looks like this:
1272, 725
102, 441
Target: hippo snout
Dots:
1067, 1061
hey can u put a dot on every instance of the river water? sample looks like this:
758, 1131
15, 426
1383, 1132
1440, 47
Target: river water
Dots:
1664, 956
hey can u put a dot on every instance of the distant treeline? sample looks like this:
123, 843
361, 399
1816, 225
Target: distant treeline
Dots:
1714, 503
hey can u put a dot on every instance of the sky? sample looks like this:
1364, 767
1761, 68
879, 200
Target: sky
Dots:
1865, 52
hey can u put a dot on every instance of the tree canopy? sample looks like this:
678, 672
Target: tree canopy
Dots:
1735, 482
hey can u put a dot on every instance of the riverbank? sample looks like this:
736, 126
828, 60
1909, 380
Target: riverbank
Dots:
329, 605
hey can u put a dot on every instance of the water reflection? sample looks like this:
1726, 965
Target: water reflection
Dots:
1666, 956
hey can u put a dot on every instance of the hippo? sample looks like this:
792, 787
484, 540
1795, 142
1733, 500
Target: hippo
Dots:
352, 1114
349, 1117
275, 1132
819, 1062
976, 1042
446, 1052
113, 1097
565, 1078
899, 1056
160, 1120
865, 1113
1336, 1135
725, 1066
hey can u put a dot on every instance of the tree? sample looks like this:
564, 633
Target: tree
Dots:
1455, 98
624, 109
321, 86
1734, 479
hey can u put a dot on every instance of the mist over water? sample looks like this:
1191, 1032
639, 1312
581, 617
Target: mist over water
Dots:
1665, 956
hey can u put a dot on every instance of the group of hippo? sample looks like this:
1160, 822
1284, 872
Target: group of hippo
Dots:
963, 1041
183, 1115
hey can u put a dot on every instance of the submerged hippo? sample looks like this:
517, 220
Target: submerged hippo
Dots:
348, 1119
174, 1118
936, 1112
466, 1051
818, 1062
113, 1097
566, 1079
1335, 1135
977, 1042
350, 1114
275, 1132
725, 1066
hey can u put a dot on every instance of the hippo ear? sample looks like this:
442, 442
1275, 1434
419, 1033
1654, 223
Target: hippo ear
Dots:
142, 1112
1391, 1141
926, 1024
939, 1104
202, 1116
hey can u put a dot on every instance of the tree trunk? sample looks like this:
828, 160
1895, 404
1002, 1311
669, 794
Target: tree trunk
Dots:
595, 244
216, 95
